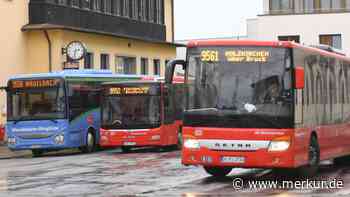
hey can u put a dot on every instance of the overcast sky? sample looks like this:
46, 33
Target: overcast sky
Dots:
213, 18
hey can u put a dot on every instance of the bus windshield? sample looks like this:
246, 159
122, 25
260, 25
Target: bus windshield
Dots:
130, 110
239, 87
36, 100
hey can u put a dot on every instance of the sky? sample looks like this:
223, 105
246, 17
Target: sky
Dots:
196, 19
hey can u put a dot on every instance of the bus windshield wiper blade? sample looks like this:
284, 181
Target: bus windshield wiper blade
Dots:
53, 120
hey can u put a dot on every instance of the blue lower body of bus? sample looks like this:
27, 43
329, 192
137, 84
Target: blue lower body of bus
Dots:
45, 135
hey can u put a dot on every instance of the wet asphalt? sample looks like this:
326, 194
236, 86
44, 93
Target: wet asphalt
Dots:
144, 172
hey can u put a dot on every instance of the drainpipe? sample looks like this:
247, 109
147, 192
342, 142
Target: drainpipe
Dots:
50, 49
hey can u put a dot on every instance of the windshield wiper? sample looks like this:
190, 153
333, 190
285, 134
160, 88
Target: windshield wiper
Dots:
53, 120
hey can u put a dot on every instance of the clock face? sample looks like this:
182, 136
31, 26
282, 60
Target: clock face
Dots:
75, 50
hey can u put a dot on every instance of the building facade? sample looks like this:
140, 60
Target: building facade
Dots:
125, 36
310, 22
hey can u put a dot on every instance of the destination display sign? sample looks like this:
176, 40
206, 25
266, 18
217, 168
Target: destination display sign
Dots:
235, 56
129, 90
42, 83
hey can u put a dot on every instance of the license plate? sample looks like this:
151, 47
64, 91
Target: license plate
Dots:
129, 143
232, 159
35, 146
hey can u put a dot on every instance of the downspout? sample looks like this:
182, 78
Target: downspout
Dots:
172, 20
50, 49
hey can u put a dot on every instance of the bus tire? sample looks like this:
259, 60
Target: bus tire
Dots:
90, 145
125, 149
341, 161
218, 171
314, 159
37, 153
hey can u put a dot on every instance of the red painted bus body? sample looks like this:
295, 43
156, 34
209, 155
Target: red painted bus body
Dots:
160, 129
309, 121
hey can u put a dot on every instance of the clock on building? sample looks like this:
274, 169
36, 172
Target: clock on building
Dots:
75, 51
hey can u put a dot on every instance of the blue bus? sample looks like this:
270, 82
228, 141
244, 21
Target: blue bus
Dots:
55, 111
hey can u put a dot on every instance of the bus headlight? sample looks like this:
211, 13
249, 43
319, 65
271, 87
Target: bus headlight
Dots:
279, 144
11, 140
59, 139
194, 144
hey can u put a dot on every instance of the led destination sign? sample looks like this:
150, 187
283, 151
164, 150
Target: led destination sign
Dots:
129, 90
235, 56
44, 83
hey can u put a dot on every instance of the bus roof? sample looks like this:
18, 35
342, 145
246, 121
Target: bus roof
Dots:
283, 44
77, 74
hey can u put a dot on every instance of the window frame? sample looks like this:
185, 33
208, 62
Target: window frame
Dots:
107, 66
332, 39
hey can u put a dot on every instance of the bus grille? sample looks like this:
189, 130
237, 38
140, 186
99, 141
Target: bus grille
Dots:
35, 136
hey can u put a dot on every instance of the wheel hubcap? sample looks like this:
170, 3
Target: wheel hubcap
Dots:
90, 142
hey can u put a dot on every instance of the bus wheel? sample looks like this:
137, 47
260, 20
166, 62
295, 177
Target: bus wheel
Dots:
341, 161
90, 143
37, 153
218, 171
314, 159
125, 149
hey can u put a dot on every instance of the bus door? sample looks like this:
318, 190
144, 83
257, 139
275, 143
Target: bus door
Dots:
169, 127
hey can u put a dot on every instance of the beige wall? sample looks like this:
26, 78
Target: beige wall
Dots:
99, 44
168, 14
13, 15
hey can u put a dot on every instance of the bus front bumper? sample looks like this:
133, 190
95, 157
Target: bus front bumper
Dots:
254, 159
134, 138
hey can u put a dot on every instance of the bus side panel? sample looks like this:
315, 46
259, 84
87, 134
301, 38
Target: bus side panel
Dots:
80, 125
84, 110
322, 103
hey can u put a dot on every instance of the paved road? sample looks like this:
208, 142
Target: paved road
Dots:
141, 173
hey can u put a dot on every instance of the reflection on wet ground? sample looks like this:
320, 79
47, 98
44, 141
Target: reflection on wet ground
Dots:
144, 172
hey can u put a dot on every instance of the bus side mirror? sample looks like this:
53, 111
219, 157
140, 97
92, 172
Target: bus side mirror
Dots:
170, 69
299, 77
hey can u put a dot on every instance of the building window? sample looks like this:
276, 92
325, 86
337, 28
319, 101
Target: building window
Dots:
289, 38
151, 10
62, 2
135, 9
338, 4
156, 67
144, 66
308, 5
125, 65
281, 5
85, 4
89, 61
107, 7
104, 61
97, 5
75, 3
332, 40
142, 10
159, 11
325, 5
117, 7
125, 8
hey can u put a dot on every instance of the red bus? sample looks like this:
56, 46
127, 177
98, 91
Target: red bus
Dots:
259, 104
139, 114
